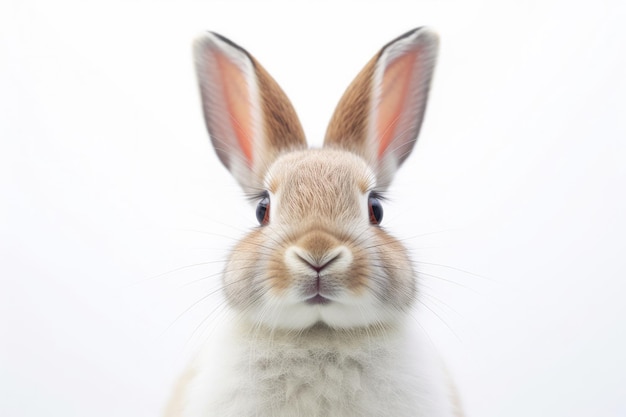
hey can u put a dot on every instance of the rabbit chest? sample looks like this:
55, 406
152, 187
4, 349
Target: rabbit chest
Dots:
319, 373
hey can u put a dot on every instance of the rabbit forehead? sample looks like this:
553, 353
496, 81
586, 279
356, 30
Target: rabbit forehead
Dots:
320, 167
318, 181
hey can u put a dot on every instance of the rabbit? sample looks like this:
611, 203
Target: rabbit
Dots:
319, 296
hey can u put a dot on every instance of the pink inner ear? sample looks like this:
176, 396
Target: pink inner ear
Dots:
237, 101
395, 87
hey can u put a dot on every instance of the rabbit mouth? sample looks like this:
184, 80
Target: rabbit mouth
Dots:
319, 290
317, 299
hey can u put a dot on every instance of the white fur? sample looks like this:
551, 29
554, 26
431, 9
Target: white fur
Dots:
252, 371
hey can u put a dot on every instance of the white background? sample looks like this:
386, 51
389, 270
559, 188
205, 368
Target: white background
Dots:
513, 201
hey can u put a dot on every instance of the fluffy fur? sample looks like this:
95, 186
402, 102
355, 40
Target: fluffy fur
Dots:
317, 372
320, 297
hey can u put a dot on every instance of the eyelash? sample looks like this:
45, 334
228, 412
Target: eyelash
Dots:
374, 207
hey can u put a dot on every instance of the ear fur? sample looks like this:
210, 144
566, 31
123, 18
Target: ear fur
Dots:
381, 112
249, 118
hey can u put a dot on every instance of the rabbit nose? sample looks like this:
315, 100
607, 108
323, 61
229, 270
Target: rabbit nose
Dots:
319, 249
338, 259
317, 266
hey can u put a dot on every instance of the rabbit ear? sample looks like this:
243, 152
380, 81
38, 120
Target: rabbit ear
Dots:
380, 114
248, 116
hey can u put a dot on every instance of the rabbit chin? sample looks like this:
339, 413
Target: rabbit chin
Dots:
349, 314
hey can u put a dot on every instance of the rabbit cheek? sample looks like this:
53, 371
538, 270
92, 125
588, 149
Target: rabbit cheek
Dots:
393, 264
244, 276
358, 276
278, 275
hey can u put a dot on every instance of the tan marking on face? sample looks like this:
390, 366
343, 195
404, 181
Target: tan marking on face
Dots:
278, 275
318, 244
359, 274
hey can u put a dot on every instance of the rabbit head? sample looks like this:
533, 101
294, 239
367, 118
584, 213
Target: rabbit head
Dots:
319, 255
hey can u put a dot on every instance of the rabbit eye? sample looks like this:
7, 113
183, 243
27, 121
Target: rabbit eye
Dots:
375, 209
263, 211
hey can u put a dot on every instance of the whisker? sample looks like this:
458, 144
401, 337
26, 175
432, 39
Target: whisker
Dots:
455, 269
220, 305
174, 270
442, 320
440, 301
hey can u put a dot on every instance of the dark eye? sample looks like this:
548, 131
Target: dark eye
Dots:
375, 209
263, 211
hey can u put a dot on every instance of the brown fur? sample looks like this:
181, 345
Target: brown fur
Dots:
348, 126
282, 128
278, 274
318, 243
